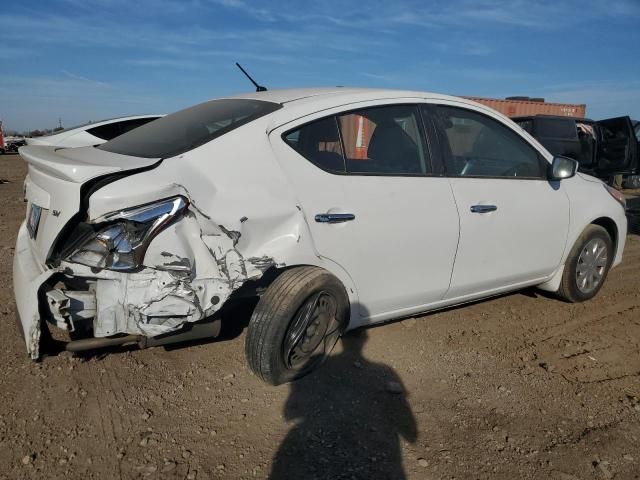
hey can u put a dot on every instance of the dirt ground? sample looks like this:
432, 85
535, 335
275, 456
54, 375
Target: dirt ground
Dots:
521, 386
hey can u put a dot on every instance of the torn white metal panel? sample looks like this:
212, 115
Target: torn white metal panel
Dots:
58, 304
144, 303
191, 269
70, 306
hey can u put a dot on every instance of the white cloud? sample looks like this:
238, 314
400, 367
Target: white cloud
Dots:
607, 98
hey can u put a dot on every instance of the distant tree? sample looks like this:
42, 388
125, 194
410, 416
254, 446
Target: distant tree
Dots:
37, 133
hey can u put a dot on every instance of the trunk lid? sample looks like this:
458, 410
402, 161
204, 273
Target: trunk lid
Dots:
53, 186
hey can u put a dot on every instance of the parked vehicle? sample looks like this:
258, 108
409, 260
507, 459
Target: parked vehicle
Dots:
93, 133
11, 145
603, 149
337, 207
633, 181
2, 143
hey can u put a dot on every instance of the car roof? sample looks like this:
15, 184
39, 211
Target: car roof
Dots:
335, 94
300, 102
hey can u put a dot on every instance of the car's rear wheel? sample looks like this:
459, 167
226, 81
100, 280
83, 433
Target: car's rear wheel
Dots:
587, 266
296, 324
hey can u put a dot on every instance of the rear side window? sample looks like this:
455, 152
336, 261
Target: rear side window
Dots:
187, 129
378, 141
384, 140
319, 142
476, 145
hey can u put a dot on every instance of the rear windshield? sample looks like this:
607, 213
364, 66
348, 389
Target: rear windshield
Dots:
189, 128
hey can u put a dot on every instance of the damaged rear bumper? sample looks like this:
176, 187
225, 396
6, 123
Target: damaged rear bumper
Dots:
166, 298
28, 275
149, 303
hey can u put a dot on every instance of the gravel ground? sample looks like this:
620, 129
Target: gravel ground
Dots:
521, 386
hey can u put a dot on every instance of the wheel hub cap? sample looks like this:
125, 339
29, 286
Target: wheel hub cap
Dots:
592, 265
307, 336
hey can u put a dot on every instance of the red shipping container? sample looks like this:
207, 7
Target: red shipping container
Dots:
518, 108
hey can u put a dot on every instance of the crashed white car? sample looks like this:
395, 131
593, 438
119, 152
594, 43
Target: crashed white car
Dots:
93, 133
337, 207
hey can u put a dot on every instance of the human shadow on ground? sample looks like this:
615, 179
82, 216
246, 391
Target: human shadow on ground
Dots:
349, 418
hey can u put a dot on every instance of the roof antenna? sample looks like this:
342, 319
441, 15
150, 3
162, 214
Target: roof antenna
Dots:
259, 88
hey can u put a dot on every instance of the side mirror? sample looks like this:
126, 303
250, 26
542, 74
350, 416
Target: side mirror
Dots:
563, 167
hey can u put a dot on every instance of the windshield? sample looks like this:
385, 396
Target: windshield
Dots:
189, 128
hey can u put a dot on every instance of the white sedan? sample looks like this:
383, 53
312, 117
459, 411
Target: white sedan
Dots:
338, 208
93, 133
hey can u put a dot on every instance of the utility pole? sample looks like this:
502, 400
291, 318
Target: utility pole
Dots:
60, 122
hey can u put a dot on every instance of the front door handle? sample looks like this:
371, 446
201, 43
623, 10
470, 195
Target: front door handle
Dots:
334, 217
483, 208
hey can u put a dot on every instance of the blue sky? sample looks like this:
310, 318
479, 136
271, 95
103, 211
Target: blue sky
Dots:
84, 60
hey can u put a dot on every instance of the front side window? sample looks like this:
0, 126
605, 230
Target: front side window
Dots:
476, 145
187, 129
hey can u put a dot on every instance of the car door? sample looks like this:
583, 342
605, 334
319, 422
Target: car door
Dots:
364, 180
513, 221
617, 147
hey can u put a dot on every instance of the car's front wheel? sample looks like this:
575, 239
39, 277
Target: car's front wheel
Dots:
296, 324
587, 265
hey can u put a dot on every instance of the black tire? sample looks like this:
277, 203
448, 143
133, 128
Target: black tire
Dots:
291, 301
569, 289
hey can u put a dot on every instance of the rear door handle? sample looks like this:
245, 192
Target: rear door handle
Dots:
483, 208
334, 217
